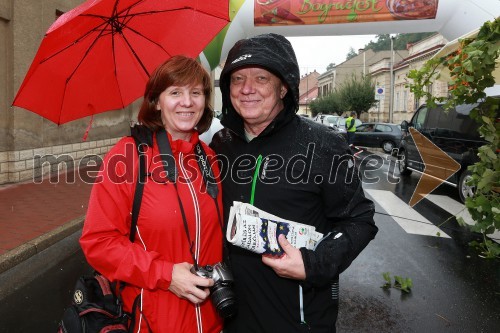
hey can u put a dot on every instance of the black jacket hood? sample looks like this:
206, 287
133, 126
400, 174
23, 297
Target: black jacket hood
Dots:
270, 51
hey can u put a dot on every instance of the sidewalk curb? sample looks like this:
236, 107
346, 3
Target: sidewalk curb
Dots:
25, 251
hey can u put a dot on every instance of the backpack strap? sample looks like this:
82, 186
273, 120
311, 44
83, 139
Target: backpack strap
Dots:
143, 137
139, 188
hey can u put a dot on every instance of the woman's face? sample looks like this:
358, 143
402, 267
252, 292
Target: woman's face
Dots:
181, 109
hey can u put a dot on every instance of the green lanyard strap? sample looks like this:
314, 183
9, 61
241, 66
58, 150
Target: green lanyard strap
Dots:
255, 176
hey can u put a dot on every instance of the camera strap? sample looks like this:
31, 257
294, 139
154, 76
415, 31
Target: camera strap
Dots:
169, 166
212, 190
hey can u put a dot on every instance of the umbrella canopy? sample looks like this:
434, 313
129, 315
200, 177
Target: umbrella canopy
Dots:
98, 56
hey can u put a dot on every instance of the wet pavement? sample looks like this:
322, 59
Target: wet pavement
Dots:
35, 215
453, 289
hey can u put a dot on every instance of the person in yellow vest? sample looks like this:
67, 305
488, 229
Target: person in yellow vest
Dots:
350, 126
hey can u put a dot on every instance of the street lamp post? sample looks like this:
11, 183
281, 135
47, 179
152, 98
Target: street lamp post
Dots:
391, 94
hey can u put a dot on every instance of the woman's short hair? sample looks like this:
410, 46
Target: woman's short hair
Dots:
180, 71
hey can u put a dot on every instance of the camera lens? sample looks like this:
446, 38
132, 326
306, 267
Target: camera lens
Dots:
224, 300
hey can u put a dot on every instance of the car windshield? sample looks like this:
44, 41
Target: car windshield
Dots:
332, 120
341, 122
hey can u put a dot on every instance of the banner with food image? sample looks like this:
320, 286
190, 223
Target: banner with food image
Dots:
309, 12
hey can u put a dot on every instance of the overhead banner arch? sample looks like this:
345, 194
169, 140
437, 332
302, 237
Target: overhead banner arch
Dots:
310, 12
295, 18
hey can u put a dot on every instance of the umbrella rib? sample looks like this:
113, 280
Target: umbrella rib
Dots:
150, 12
174, 9
85, 55
148, 39
134, 53
113, 32
76, 41
121, 16
76, 68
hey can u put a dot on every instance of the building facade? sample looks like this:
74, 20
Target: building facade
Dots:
359, 65
404, 103
308, 92
378, 66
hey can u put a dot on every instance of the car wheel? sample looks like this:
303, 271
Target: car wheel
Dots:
388, 146
465, 190
402, 166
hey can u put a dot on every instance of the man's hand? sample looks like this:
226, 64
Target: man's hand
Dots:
290, 264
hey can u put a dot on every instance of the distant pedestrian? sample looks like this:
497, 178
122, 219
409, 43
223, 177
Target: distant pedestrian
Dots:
350, 126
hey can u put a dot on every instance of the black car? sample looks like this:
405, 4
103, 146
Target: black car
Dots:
378, 135
453, 131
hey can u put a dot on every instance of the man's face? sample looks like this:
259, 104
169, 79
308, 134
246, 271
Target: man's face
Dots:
257, 95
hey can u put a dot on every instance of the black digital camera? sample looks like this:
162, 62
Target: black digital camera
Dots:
221, 292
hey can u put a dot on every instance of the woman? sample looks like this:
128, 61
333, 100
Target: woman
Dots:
157, 265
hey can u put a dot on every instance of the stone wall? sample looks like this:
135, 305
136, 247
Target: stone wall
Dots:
37, 163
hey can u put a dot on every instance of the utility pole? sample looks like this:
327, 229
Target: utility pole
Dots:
307, 89
391, 94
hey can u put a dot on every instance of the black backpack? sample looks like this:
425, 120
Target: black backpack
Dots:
95, 307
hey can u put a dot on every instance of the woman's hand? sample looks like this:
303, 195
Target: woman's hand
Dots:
189, 286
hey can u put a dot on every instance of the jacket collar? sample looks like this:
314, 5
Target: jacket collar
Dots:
181, 146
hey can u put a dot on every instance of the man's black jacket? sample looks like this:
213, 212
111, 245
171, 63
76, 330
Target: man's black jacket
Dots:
307, 175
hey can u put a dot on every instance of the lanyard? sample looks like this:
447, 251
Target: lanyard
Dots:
168, 162
254, 180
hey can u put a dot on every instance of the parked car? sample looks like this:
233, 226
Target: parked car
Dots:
326, 119
378, 135
330, 119
453, 131
319, 118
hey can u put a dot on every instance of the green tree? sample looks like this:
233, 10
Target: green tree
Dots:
383, 42
335, 103
330, 104
471, 68
351, 54
357, 94
330, 66
319, 105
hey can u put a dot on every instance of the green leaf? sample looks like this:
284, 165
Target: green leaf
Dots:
486, 120
461, 222
468, 66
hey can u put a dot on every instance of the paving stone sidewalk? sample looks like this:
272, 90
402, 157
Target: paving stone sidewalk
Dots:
35, 215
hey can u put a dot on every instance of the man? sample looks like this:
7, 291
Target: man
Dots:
350, 126
293, 168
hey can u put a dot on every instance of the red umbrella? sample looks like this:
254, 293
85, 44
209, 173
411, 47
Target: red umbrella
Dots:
98, 56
